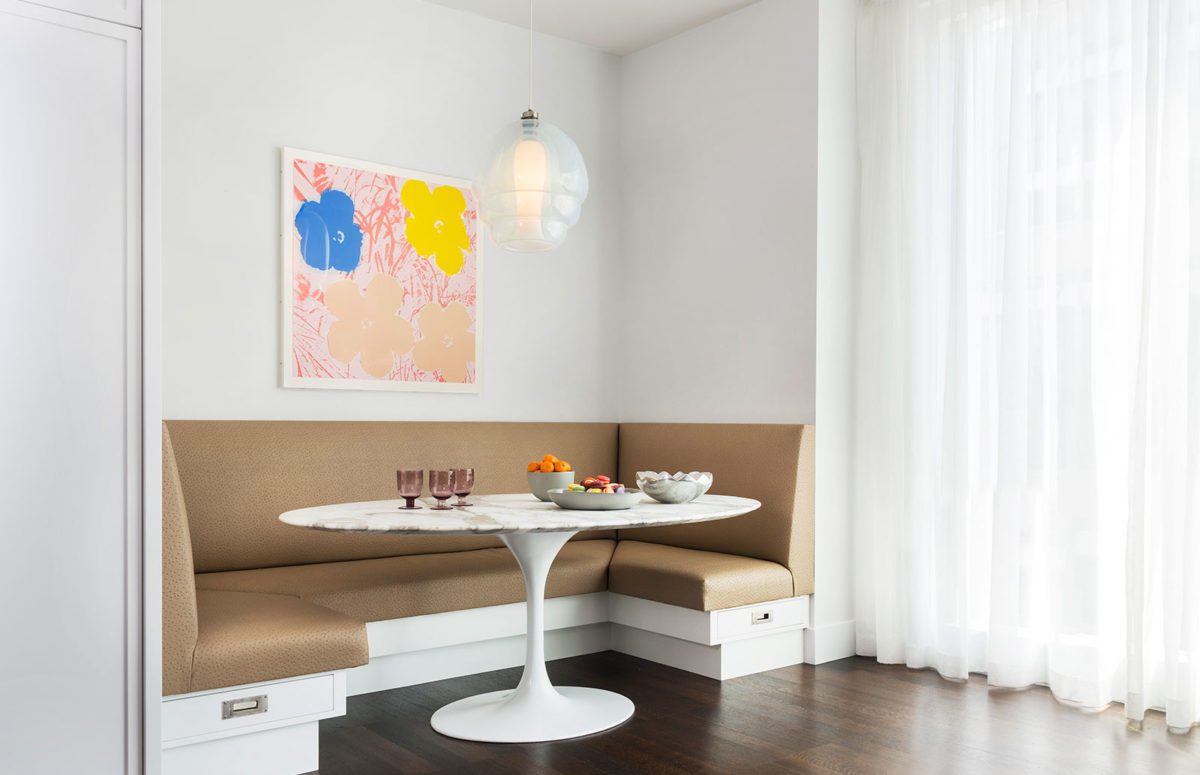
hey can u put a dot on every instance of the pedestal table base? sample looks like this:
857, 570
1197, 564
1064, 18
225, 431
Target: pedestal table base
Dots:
536, 710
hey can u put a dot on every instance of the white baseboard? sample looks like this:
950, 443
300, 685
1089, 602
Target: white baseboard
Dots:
757, 655
452, 628
676, 652
392, 671
289, 750
827, 642
721, 662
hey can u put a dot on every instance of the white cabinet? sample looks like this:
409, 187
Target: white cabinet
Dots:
70, 401
120, 11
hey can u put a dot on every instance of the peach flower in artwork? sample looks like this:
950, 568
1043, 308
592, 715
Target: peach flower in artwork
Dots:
367, 324
446, 346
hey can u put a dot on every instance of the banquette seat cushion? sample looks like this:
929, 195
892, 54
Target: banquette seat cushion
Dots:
246, 637
705, 581
416, 584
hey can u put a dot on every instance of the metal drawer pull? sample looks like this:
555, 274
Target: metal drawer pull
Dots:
246, 706
762, 617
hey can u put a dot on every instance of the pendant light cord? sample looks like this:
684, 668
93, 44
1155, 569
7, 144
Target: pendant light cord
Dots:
531, 55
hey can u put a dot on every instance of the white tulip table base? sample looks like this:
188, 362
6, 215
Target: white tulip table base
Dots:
533, 716
536, 711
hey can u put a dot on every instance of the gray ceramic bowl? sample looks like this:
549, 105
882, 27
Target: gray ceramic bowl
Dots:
595, 501
540, 483
674, 489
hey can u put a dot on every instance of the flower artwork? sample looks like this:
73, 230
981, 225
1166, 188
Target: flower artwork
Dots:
381, 276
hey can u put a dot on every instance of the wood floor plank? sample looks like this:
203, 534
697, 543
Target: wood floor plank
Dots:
849, 717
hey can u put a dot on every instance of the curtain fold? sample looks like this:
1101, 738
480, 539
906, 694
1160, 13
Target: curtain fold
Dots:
1027, 417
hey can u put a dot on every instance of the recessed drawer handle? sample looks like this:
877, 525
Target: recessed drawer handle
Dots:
761, 617
246, 706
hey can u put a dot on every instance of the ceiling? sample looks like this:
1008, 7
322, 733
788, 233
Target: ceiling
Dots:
618, 26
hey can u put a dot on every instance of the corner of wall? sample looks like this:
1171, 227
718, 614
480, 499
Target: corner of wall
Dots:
832, 634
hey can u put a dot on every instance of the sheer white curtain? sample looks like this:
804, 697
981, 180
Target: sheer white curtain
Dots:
1027, 427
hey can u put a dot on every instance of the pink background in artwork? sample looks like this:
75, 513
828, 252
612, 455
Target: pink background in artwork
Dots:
380, 214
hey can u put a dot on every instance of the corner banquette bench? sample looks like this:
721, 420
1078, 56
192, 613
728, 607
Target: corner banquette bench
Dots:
248, 600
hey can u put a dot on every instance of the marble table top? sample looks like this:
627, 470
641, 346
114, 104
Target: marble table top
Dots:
522, 513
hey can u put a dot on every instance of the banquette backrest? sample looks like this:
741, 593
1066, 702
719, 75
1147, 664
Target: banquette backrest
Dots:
237, 477
180, 624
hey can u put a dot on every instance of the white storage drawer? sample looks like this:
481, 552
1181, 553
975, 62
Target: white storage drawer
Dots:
710, 628
759, 619
209, 715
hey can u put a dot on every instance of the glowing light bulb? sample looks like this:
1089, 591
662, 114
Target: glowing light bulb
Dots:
529, 187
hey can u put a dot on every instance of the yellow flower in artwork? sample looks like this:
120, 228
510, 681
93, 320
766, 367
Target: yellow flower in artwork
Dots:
435, 226
367, 324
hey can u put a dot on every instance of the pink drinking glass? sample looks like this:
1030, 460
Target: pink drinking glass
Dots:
441, 486
464, 480
410, 482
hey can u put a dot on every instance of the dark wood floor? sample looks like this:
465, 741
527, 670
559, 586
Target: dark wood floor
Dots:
852, 716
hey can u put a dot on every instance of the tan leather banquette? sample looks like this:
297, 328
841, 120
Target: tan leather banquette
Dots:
247, 598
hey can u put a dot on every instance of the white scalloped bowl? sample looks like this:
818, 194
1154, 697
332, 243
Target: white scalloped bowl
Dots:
680, 488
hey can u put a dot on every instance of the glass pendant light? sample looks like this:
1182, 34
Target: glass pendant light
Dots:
532, 191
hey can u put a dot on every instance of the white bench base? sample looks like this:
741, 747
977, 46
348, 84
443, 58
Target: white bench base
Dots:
717, 644
720, 644
722, 662
278, 740
284, 751
283, 740
420, 649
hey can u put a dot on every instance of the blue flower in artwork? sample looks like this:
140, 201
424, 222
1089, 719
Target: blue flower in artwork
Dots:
329, 238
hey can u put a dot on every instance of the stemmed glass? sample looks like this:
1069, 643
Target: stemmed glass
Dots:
410, 482
464, 480
441, 486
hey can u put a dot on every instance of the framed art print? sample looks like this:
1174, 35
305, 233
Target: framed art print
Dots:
380, 277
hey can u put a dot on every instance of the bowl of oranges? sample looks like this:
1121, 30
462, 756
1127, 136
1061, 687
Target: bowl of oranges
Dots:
549, 473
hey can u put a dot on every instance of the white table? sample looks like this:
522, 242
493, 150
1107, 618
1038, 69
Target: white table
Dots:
534, 531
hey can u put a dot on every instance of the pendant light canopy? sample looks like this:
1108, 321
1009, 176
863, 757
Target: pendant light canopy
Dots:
532, 191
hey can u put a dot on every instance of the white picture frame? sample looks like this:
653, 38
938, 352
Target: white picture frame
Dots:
291, 373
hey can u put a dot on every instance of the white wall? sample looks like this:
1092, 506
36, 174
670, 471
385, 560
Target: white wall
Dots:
723, 167
702, 156
832, 633
723, 196
739, 167
400, 82
719, 138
